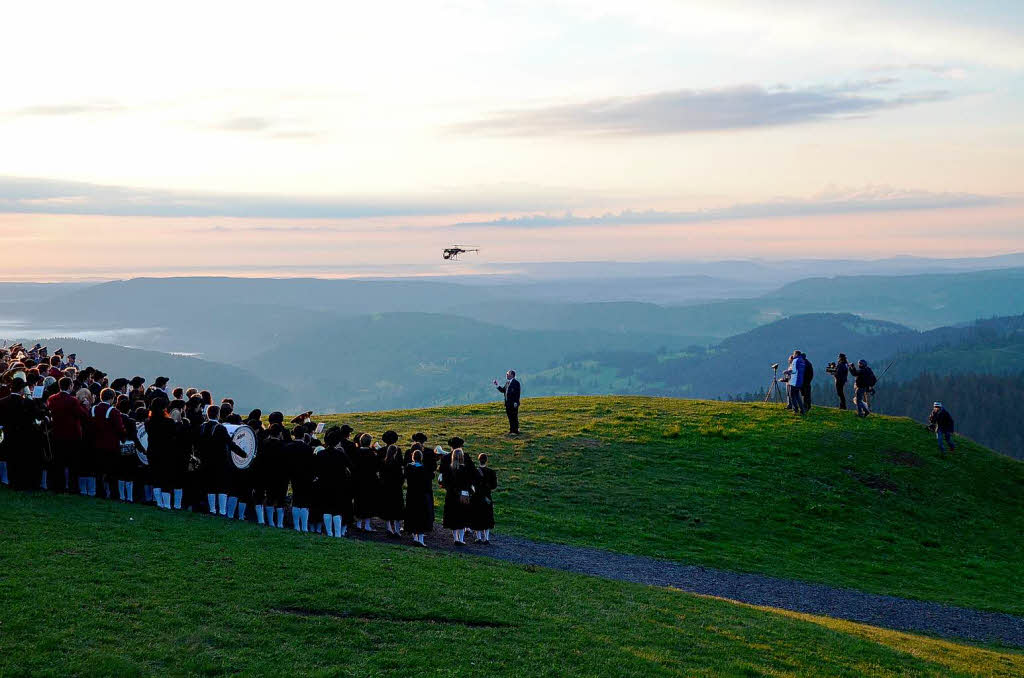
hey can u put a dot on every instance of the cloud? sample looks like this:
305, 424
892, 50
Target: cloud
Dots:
245, 124
82, 108
51, 196
687, 111
871, 199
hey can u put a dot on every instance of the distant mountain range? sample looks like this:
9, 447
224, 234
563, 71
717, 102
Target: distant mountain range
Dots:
337, 345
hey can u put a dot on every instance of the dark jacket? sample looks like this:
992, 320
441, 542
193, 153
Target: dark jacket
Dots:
941, 421
511, 389
842, 373
863, 378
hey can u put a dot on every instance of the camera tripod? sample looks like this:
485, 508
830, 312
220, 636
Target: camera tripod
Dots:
774, 394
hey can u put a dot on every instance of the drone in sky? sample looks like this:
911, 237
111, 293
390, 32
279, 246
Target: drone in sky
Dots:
454, 251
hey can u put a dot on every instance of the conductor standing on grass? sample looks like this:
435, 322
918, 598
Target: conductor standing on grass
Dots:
511, 390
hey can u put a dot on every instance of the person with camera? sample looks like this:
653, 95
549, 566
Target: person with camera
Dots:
794, 378
805, 387
840, 371
940, 422
863, 383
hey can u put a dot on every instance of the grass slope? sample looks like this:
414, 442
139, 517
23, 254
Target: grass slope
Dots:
97, 588
831, 498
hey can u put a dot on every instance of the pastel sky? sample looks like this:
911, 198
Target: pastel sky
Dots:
256, 137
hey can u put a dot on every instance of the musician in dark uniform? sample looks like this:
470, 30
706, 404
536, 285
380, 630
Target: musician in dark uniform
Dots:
167, 453
392, 476
273, 477
419, 499
512, 390
299, 455
482, 507
215, 447
21, 440
367, 483
128, 462
333, 482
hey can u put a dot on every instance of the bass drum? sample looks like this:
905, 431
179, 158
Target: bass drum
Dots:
143, 434
245, 438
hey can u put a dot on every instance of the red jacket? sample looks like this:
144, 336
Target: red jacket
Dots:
106, 427
68, 416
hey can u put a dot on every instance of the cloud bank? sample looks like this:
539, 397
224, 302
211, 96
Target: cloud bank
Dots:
875, 199
687, 111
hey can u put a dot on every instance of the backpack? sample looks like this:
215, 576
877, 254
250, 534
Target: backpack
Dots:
870, 379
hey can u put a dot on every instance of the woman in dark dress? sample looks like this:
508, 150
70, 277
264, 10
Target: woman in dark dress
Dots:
419, 499
457, 481
392, 475
482, 508
333, 483
367, 483
128, 463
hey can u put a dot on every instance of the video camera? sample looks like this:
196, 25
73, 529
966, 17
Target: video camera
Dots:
831, 368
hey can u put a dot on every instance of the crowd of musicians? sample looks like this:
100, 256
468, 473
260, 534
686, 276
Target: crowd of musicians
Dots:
67, 429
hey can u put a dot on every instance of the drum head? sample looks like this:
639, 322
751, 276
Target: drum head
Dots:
144, 439
245, 438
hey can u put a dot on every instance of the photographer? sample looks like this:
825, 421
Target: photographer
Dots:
794, 378
840, 371
863, 383
805, 386
940, 421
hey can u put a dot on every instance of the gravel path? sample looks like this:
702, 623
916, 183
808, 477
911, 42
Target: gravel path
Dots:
877, 610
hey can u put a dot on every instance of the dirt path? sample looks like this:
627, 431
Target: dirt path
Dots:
878, 610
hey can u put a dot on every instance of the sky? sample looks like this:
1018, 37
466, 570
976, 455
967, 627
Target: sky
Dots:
257, 137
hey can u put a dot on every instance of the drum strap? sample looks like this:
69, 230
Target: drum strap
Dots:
107, 415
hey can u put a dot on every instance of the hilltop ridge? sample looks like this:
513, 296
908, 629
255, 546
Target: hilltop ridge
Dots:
830, 498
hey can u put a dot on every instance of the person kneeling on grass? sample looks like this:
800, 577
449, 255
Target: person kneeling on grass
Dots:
940, 421
482, 513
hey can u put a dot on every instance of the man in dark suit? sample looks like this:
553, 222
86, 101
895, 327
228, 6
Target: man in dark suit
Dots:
511, 390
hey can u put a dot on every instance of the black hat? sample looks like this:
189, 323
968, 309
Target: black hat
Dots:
332, 436
177, 403
345, 429
60, 352
161, 381
300, 418
276, 418
456, 441
135, 381
17, 384
389, 437
419, 437
72, 356
119, 383
255, 415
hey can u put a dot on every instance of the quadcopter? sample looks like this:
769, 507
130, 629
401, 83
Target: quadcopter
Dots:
454, 251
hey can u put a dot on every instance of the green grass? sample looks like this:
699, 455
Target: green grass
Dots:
96, 588
831, 498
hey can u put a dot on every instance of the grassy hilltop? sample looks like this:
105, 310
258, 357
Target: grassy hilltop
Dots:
866, 504
91, 587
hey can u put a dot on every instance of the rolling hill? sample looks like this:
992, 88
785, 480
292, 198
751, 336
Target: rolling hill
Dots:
830, 498
93, 587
